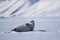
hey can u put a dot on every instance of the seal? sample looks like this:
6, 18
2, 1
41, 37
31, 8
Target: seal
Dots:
25, 27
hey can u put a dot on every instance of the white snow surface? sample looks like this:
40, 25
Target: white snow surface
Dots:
46, 28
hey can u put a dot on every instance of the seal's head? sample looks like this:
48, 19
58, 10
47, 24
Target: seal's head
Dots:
30, 23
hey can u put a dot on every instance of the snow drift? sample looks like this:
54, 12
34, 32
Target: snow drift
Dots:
30, 8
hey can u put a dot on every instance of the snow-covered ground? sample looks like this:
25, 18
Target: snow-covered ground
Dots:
49, 25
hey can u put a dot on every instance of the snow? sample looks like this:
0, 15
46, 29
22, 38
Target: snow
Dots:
46, 28
30, 36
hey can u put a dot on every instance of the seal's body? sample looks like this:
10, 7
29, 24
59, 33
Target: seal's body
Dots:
24, 28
